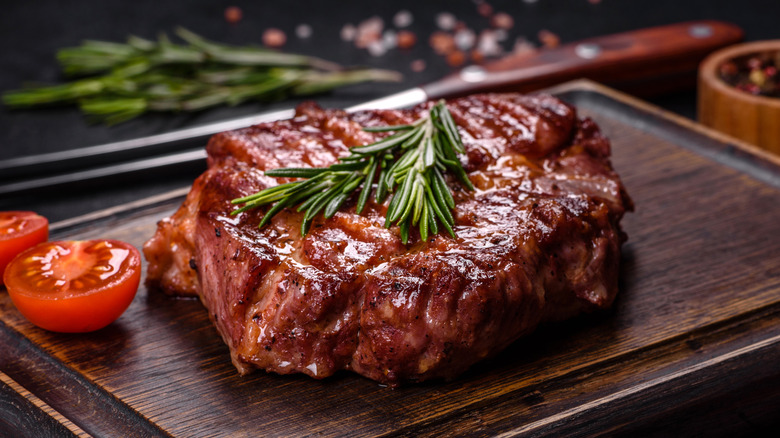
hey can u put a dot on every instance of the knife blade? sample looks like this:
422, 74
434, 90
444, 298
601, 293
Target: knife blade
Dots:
650, 60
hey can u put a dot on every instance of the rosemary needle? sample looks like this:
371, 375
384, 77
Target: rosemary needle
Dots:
121, 81
410, 164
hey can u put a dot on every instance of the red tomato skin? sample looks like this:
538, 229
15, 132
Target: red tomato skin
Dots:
79, 313
34, 230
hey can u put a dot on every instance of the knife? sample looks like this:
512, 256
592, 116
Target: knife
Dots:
651, 60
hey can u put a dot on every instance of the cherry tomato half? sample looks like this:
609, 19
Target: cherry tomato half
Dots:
74, 286
19, 230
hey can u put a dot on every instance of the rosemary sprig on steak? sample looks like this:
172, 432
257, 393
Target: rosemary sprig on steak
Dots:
122, 81
410, 164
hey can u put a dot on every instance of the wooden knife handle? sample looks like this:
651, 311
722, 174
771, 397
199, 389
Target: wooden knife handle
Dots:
644, 62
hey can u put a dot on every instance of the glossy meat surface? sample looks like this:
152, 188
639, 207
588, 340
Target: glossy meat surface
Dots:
538, 240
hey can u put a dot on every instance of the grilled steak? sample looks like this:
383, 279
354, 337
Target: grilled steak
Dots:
538, 240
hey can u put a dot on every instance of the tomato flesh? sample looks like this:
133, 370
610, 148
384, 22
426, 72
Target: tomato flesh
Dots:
20, 230
74, 286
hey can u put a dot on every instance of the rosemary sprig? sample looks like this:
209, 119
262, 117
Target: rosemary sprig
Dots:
122, 81
410, 164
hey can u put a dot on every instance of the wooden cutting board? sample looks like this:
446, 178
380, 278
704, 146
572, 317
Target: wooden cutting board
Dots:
692, 345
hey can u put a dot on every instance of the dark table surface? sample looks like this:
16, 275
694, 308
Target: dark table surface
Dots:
31, 33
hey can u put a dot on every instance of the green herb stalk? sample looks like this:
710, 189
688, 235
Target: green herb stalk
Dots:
121, 81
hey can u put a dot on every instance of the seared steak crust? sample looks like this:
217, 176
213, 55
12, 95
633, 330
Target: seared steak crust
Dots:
538, 240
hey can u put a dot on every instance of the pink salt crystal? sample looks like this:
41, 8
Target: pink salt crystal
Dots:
502, 20
522, 45
549, 39
456, 58
233, 14
373, 24
406, 39
484, 9
369, 31
417, 65
273, 37
477, 56
445, 20
442, 42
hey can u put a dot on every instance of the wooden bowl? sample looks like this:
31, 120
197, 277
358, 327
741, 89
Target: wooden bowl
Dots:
754, 119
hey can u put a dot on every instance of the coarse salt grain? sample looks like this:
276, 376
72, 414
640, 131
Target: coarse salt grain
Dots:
303, 31
403, 18
445, 20
465, 39
348, 32
488, 44
390, 39
376, 48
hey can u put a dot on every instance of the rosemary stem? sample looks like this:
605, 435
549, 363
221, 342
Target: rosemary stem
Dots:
139, 76
413, 159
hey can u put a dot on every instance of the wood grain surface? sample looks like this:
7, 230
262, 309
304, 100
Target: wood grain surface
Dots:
691, 347
28, 416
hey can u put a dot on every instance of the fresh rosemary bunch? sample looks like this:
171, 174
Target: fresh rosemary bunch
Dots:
409, 163
122, 81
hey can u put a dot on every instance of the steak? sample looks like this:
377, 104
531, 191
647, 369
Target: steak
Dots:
538, 240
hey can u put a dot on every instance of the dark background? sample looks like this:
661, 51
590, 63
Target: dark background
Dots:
32, 31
